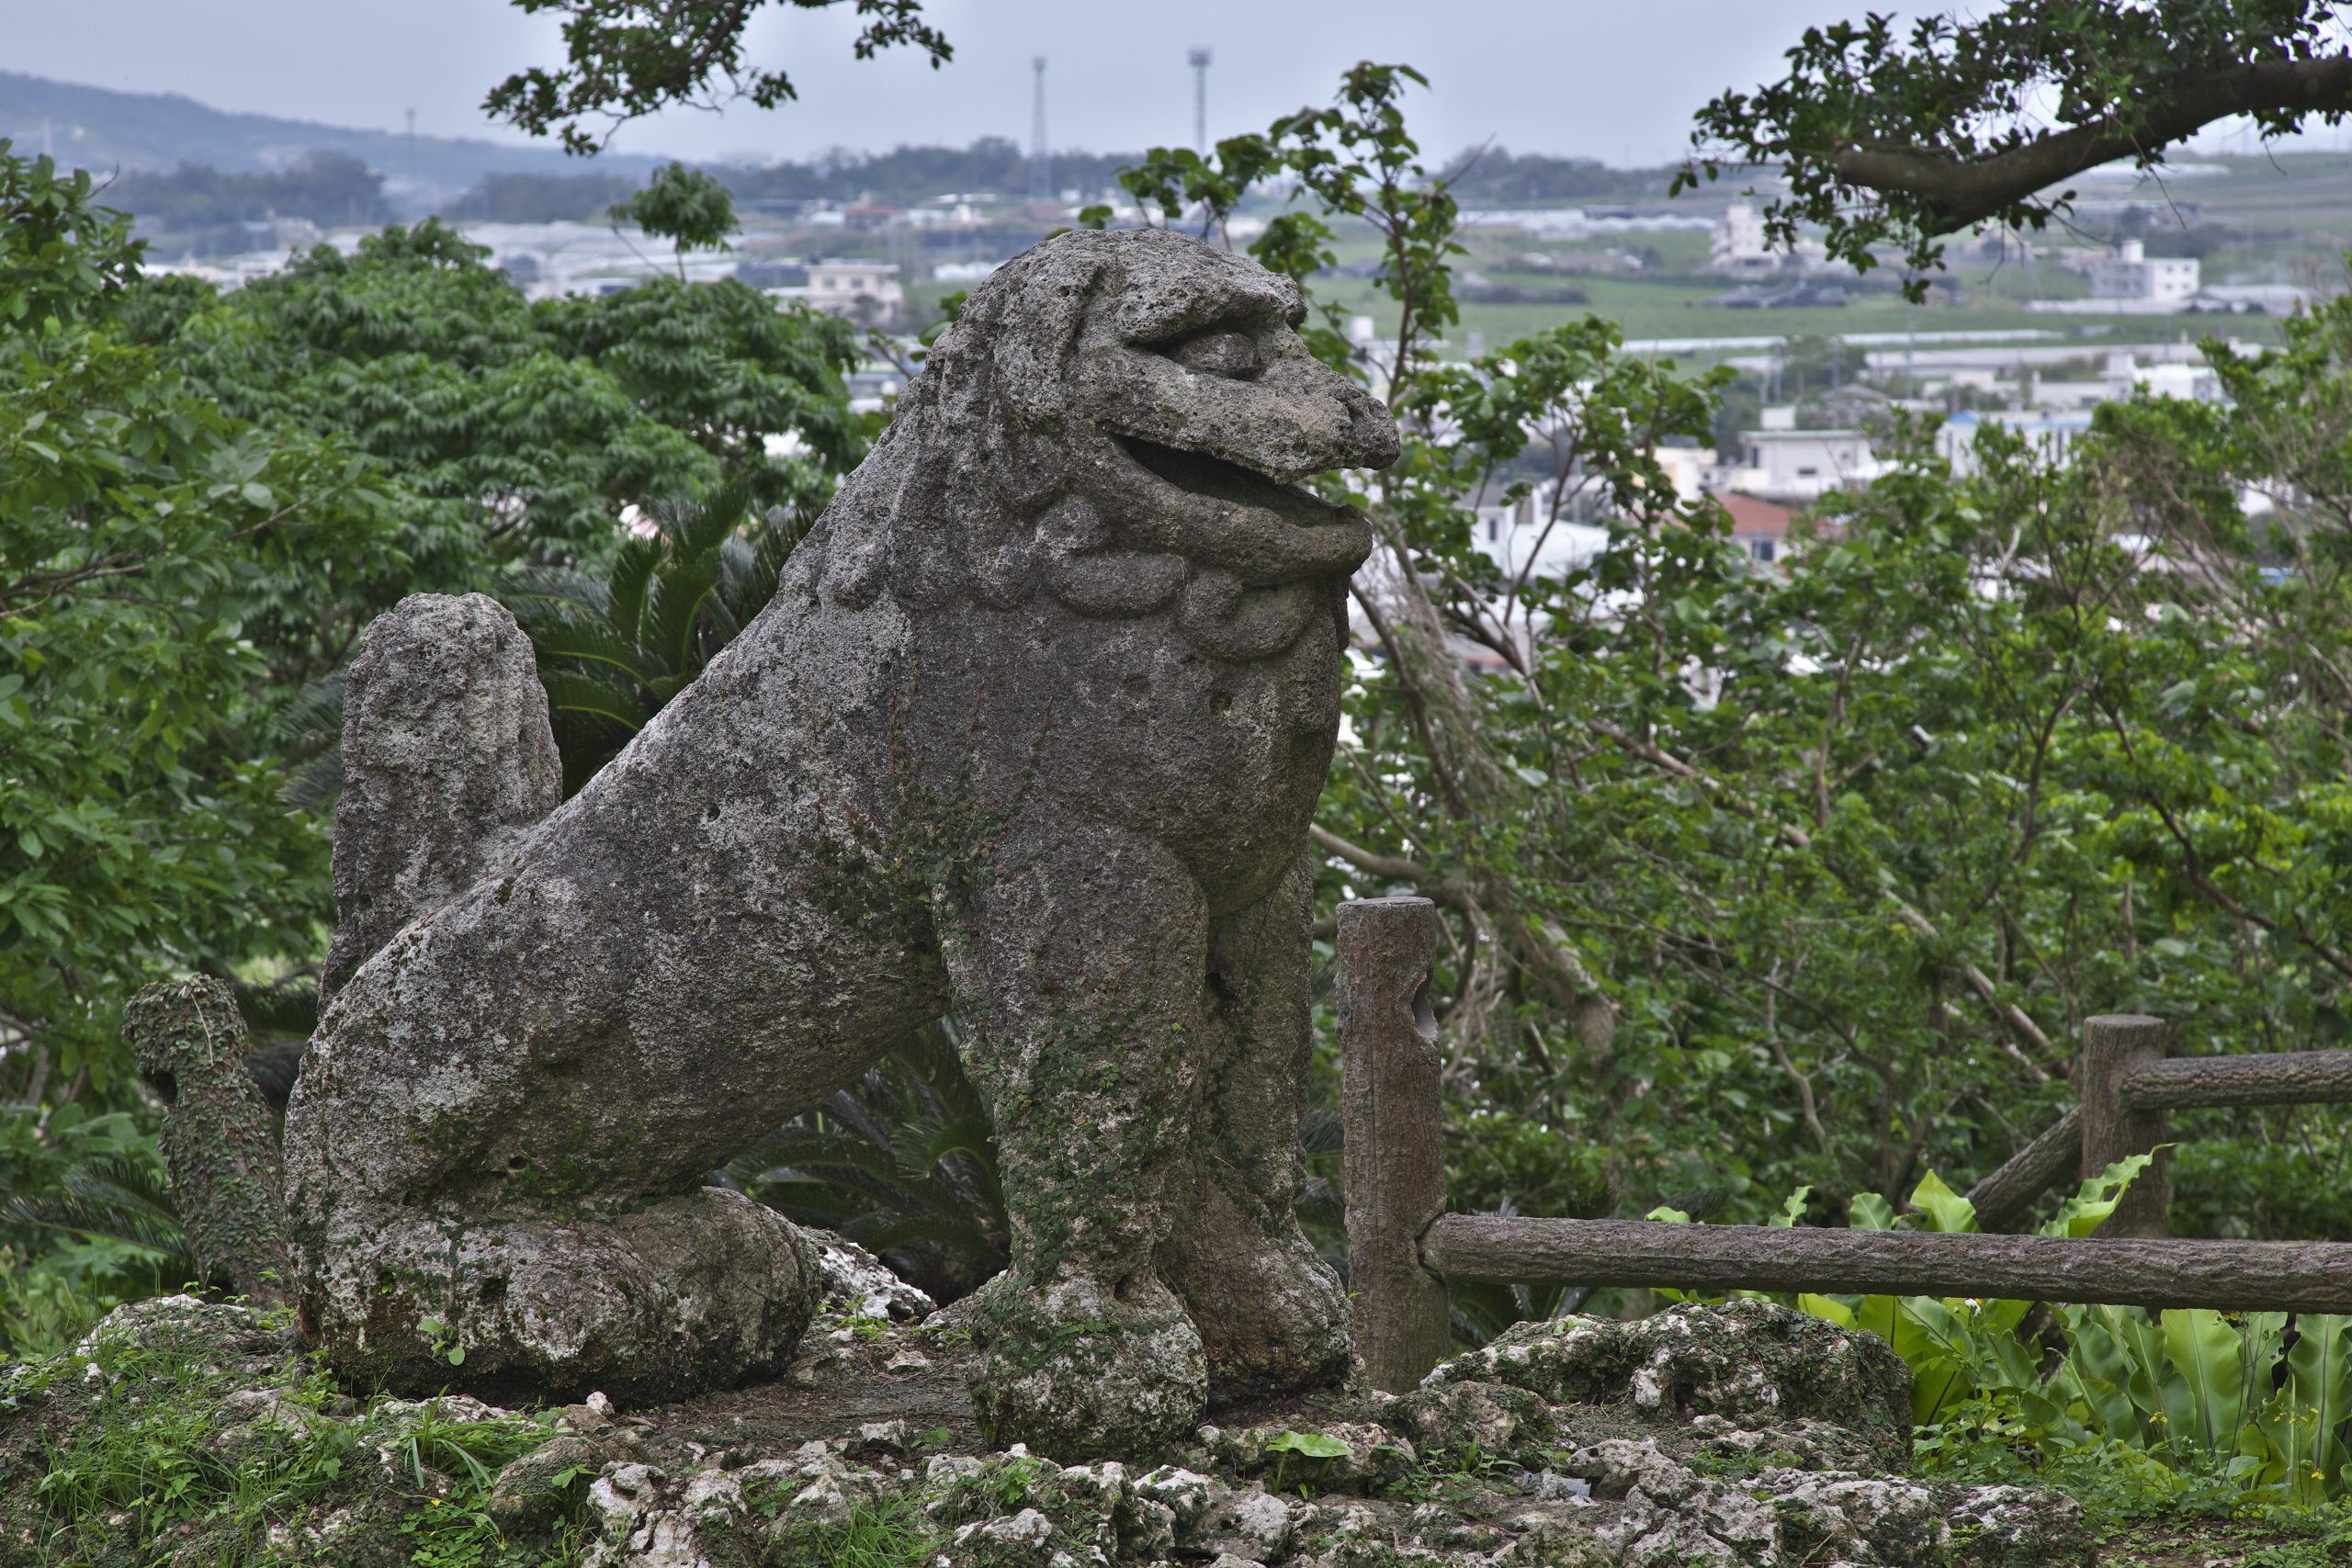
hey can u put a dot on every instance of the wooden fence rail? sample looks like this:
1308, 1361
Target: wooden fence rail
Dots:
1403, 1247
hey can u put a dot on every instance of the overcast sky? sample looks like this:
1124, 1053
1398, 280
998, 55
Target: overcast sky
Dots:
1613, 81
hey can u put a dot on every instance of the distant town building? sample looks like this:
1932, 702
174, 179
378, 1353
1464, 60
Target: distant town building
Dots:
1760, 527
1778, 462
2134, 276
2263, 298
1737, 244
2049, 433
867, 291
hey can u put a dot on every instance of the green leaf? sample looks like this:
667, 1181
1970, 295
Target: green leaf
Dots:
2202, 1399
1947, 1211
1869, 1211
1825, 1309
1308, 1444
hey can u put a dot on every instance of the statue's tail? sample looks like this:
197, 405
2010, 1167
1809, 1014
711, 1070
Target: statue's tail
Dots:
218, 1144
447, 757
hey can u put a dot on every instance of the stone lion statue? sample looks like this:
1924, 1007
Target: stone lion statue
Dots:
1031, 734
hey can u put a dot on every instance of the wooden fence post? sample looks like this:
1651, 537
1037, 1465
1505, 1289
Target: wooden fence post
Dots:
1393, 1167
2113, 1043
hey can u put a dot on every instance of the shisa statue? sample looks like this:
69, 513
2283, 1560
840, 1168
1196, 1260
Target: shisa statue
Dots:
1030, 735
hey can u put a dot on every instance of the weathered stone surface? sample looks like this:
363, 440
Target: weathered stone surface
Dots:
1031, 730
1746, 1365
447, 755
701, 1484
189, 1042
851, 1280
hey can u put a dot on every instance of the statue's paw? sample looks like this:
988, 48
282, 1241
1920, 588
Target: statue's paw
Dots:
1273, 1317
1080, 1372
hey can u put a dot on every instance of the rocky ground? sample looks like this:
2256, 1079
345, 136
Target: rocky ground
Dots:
1748, 1434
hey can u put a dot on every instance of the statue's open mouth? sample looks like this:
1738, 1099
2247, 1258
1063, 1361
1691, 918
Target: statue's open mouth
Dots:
1197, 473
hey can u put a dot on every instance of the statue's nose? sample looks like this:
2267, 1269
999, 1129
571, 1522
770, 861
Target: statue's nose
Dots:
1371, 440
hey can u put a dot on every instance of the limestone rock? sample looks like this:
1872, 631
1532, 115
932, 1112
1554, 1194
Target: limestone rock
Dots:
1032, 731
447, 754
851, 1280
1743, 1366
697, 1484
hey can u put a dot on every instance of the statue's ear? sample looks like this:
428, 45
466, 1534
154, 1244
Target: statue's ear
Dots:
1035, 324
858, 524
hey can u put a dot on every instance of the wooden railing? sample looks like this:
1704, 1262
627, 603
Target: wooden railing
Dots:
1403, 1247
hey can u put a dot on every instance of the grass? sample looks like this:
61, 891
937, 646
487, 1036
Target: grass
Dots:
2146, 1515
888, 1534
156, 1459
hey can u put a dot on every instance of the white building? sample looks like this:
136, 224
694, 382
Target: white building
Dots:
1779, 462
2050, 434
2132, 275
868, 289
1737, 243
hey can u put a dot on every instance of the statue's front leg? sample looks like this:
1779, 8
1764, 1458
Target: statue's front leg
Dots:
1078, 962
1272, 1314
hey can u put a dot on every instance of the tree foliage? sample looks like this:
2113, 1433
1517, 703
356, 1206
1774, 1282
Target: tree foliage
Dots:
207, 210
1761, 878
1888, 136
627, 58
689, 208
146, 537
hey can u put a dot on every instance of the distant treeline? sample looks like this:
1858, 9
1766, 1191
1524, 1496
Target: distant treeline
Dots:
208, 211
1495, 175
905, 176
995, 164
540, 198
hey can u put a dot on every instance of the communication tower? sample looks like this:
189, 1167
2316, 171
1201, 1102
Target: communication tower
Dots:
1041, 174
1200, 60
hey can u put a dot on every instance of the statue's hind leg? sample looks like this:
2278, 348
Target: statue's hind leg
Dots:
1272, 1314
1078, 964
703, 1290
541, 1039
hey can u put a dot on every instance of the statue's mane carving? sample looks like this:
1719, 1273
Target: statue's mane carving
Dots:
1007, 471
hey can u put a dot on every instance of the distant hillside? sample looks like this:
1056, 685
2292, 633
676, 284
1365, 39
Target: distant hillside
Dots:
101, 129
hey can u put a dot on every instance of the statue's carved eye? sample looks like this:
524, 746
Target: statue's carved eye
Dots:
1218, 352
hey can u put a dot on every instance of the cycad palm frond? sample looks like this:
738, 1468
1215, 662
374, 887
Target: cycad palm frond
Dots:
902, 1162
613, 653
118, 1197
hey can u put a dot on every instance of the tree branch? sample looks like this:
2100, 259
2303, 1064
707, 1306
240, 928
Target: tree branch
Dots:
1958, 193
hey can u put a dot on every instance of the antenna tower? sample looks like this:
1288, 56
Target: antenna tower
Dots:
1200, 63
1041, 178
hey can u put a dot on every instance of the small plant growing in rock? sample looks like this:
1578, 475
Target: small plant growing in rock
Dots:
442, 1338
1312, 1446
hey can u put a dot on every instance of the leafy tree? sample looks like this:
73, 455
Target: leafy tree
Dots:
627, 58
1755, 879
685, 206
144, 537
513, 432
1888, 137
